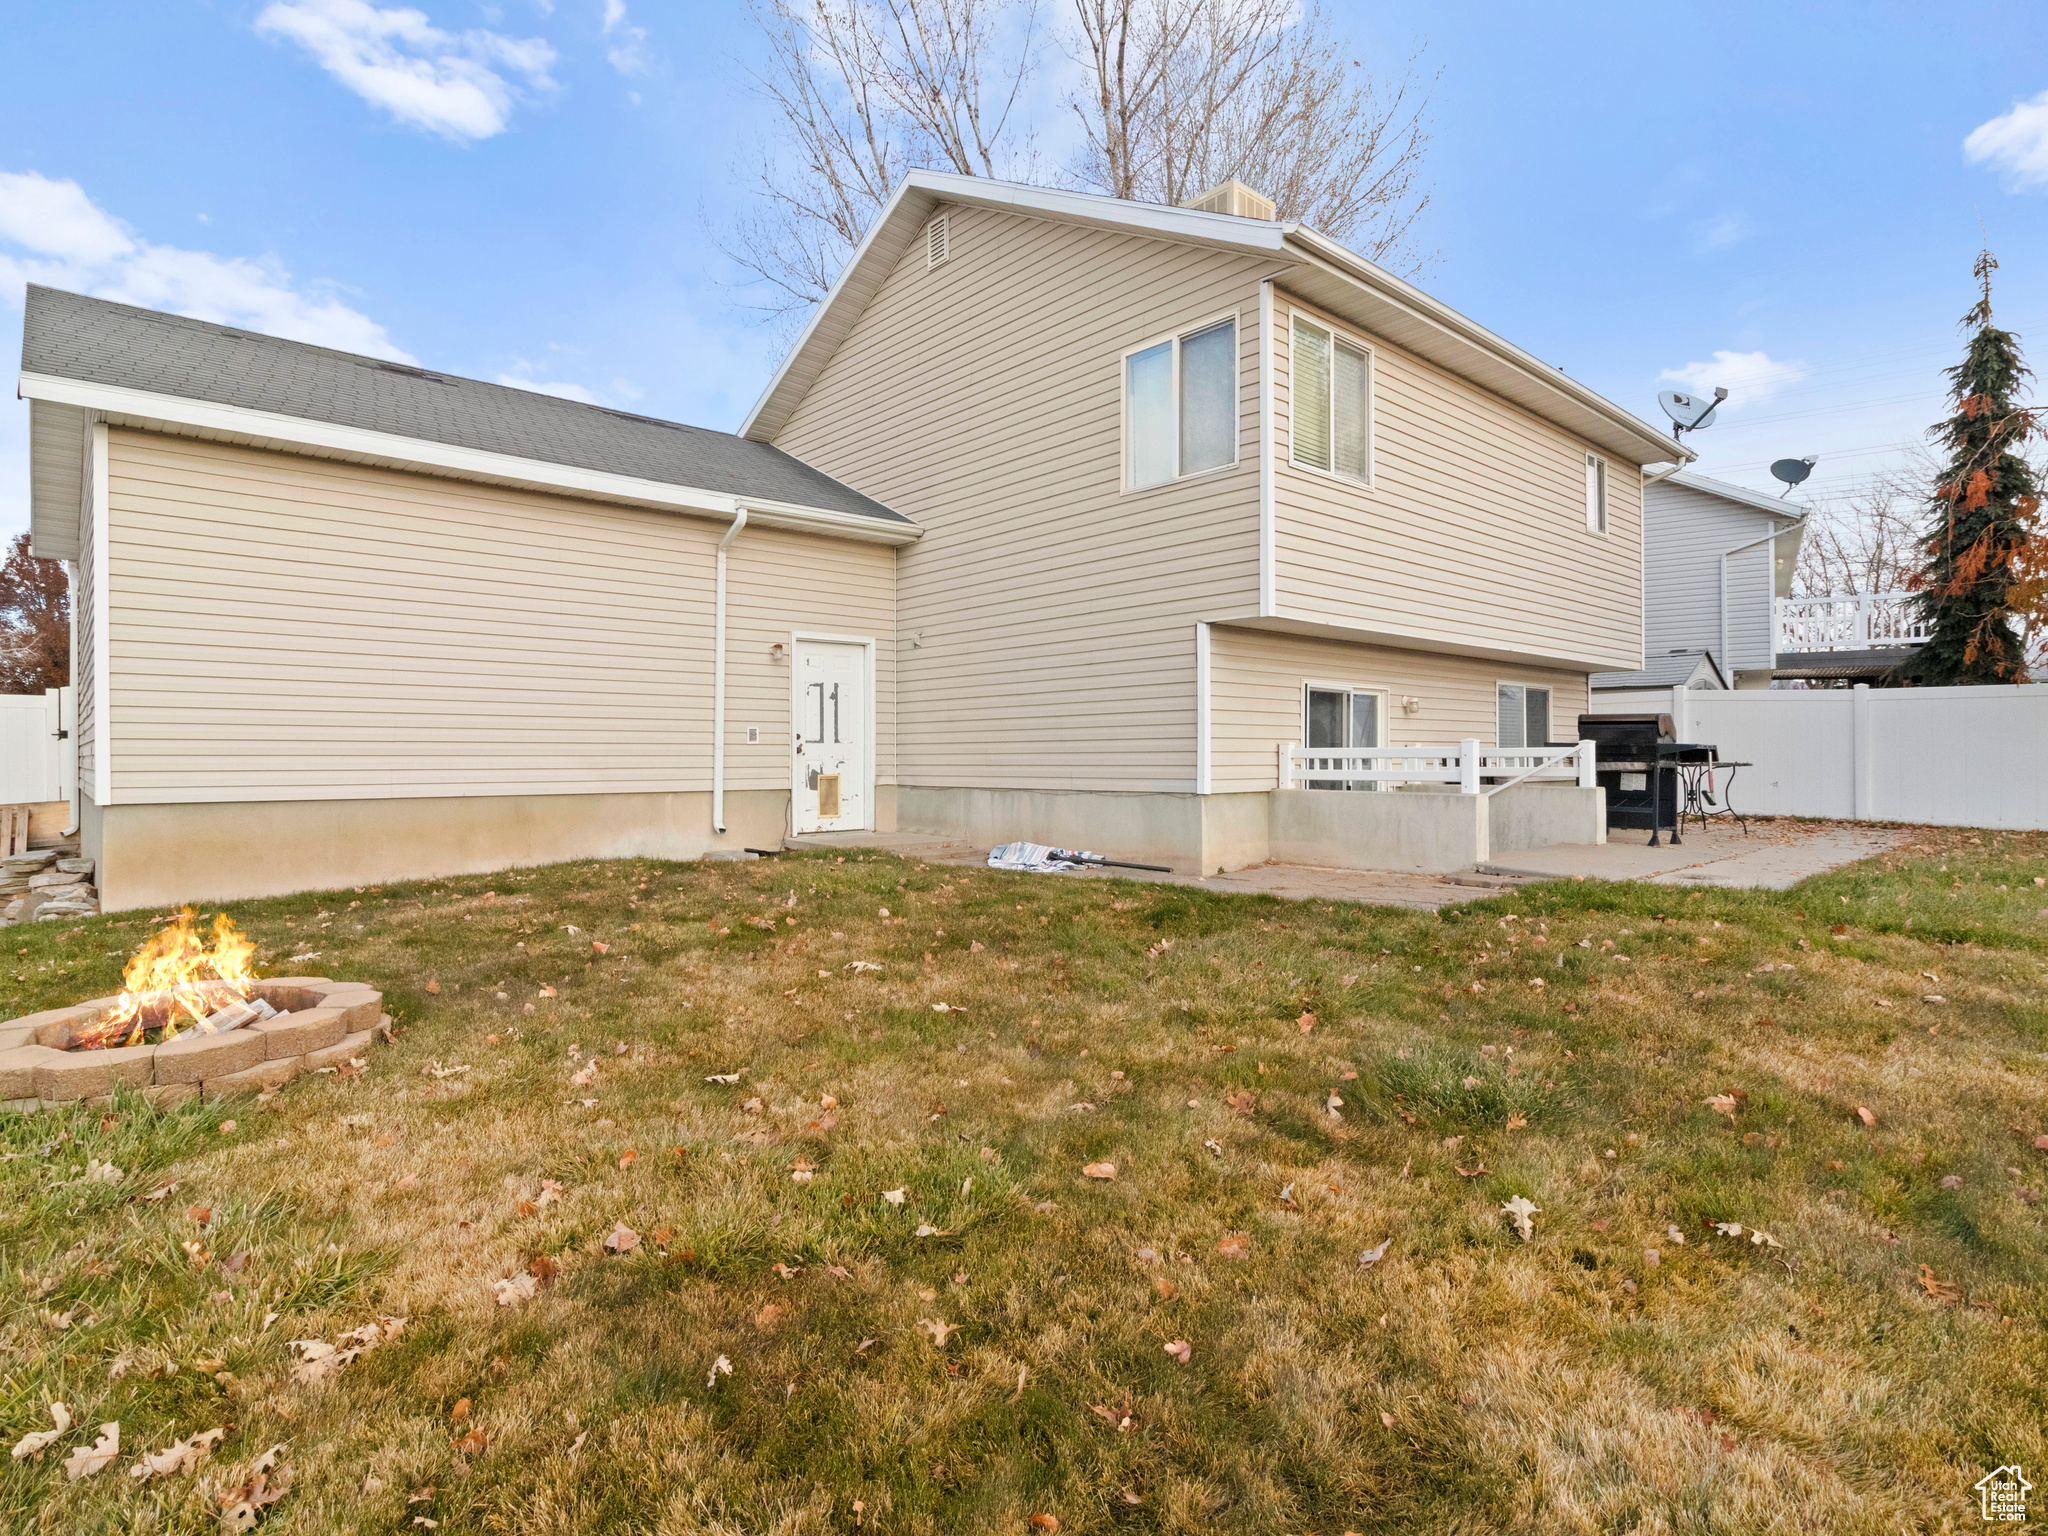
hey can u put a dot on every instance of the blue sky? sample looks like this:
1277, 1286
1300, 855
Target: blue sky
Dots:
1781, 198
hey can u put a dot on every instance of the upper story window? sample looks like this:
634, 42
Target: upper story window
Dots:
1596, 494
1180, 406
1332, 388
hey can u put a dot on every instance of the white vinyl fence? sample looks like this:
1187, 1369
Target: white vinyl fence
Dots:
1964, 757
35, 762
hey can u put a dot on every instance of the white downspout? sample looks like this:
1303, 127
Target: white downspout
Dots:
1727, 663
1267, 604
739, 521
71, 580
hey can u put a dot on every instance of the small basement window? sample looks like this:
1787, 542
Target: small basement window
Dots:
1180, 406
1596, 494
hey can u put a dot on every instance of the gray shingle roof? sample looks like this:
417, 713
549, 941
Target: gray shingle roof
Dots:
1662, 671
66, 335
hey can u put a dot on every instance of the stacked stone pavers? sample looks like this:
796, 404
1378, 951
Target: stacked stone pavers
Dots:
323, 1024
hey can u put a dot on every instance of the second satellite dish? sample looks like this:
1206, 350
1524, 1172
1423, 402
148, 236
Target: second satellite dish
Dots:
1792, 472
1689, 413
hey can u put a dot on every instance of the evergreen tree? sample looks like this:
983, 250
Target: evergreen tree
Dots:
1983, 563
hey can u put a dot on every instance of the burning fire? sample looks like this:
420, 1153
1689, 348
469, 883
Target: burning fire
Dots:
175, 981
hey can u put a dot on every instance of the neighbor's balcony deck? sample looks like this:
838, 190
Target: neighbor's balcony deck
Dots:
1859, 622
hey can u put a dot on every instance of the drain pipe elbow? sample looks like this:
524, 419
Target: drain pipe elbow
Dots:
739, 521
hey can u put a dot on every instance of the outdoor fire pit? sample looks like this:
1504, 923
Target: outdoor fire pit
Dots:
191, 1020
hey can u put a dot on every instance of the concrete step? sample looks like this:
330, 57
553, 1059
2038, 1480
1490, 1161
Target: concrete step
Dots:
1484, 879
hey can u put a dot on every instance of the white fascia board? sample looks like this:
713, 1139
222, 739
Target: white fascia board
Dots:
1392, 290
268, 429
1741, 495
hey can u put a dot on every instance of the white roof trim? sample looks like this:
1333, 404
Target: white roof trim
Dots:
1755, 501
123, 406
1465, 342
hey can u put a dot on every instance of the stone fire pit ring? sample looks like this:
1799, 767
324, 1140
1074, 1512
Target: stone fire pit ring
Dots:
322, 1023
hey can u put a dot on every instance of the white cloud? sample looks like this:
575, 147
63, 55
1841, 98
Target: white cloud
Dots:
52, 232
560, 389
1725, 230
1749, 377
2016, 142
625, 44
396, 59
60, 237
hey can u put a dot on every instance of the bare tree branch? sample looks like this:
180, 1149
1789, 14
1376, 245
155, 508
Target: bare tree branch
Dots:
866, 90
1177, 96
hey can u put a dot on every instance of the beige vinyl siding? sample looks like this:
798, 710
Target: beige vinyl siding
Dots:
1255, 696
85, 684
295, 628
1047, 616
1472, 531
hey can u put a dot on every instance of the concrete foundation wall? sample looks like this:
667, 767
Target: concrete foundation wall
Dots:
162, 855
1420, 830
1423, 830
1542, 815
1145, 828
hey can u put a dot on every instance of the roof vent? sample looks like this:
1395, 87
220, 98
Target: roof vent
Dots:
935, 246
1235, 198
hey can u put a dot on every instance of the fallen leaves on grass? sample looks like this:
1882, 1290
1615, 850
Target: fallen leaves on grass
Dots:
1306, 1023
1180, 1349
91, 1460
1722, 1104
719, 1367
515, 1289
319, 1361
178, 1457
628, 1158
1865, 1115
895, 1196
723, 1077
1099, 1170
1936, 1288
938, 1328
242, 1505
621, 1239
1233, 1246
35, 1442
1521, 1212
1045, 1522
1372, 1256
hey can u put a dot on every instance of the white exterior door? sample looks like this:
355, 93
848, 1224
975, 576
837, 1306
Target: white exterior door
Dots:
830, 741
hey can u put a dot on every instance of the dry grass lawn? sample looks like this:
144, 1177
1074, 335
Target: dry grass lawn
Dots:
845, 1106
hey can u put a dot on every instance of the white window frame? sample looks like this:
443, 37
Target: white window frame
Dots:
1350, 691
1123, 386
1549, 709
1321, 685
1357, 343
1598, 485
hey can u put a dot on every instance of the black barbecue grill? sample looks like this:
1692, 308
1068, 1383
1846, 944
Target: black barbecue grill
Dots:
1638, 763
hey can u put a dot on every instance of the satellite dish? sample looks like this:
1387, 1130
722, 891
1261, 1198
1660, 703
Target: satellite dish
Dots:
1689, 413
1792, 472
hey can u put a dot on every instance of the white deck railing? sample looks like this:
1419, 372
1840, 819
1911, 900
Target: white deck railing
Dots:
1856, 623
1466, 765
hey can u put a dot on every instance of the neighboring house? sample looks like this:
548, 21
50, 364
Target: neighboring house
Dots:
1716, 560
1064, 515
